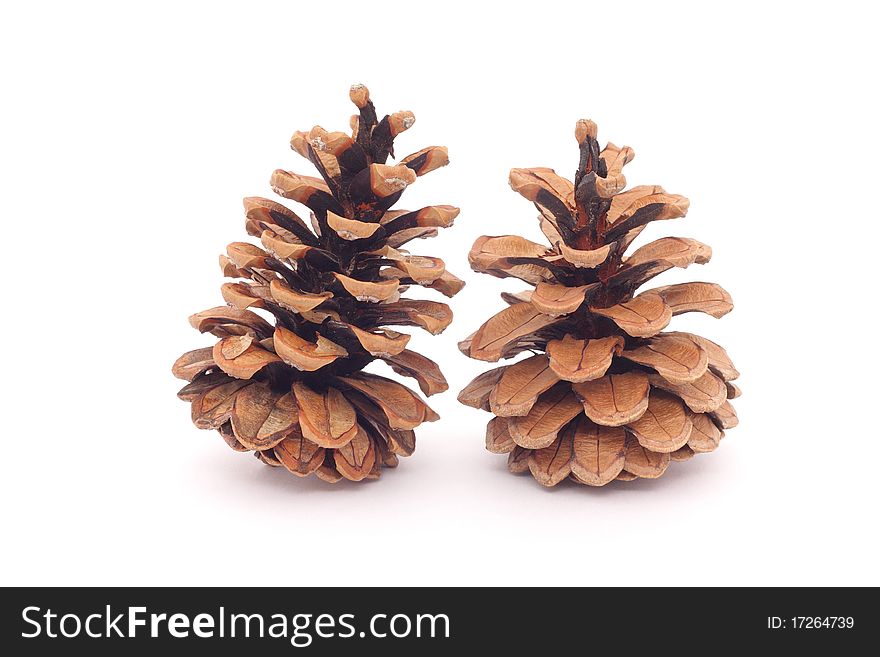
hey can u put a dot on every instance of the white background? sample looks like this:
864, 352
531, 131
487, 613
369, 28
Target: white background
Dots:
129, 135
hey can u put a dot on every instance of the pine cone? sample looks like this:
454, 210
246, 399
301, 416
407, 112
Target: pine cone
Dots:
607, 394
292, 391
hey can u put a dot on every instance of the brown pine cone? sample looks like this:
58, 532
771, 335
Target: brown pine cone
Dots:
291, 390
607, 394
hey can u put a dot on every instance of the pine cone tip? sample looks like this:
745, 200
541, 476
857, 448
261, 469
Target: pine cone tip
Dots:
585, 128
359, 95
